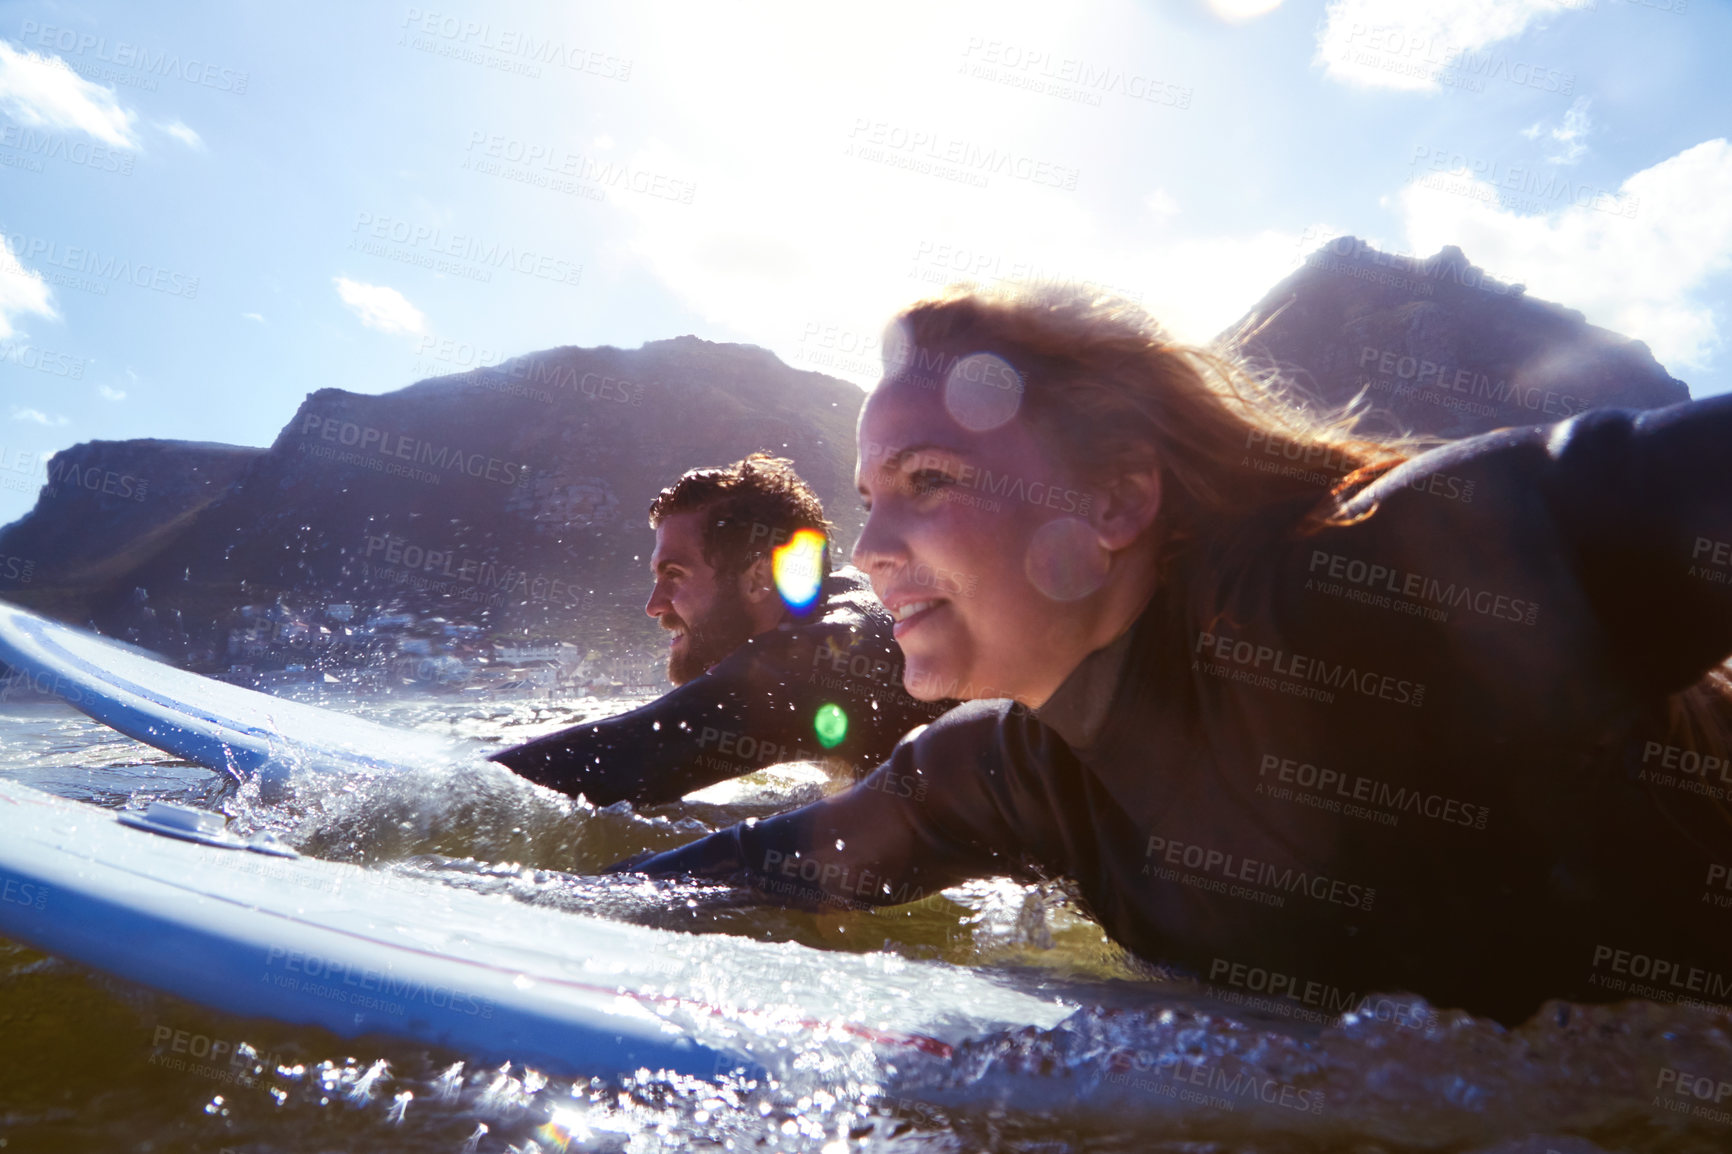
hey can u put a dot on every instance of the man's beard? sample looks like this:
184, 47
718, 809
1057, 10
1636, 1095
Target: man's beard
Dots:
726, 627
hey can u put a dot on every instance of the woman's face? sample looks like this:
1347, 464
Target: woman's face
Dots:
976, 538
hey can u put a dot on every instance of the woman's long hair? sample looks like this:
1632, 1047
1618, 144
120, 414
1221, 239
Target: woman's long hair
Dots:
1110, 391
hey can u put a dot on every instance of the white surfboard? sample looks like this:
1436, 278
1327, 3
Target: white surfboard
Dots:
170, 899
195, 912
221, 726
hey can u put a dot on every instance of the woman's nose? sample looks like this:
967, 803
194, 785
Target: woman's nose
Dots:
879, 547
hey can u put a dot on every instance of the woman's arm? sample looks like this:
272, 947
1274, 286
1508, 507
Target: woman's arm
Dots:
1646, 501
930, 817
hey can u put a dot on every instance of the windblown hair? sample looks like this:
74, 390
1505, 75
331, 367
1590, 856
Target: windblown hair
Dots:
749, 507
1110, 391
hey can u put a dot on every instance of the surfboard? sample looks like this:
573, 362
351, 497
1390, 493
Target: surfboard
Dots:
224, 727
251, 928
169, 898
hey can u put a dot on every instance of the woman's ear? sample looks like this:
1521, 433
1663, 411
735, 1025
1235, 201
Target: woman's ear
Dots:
1127, 507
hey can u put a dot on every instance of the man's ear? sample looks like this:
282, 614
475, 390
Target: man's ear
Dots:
758, 581
1126, 508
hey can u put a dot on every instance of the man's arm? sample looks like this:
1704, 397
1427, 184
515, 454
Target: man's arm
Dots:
759, 706
932, 816
747, 712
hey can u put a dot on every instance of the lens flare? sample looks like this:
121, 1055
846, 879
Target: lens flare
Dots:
799, 569
831, 725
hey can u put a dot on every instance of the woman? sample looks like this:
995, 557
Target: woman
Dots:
1310, 715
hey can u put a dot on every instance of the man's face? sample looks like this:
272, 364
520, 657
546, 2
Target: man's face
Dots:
707, 616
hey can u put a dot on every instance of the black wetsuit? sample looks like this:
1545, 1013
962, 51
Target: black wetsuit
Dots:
757, 706
1425, 751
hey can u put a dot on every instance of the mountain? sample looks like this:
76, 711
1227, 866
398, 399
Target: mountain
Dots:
511, 497
1438, 347
508, 503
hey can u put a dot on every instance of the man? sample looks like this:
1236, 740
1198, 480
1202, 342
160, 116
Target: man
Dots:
758, 679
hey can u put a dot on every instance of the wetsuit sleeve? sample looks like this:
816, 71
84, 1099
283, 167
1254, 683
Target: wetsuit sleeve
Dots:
1645, 500
749, 711
935, 814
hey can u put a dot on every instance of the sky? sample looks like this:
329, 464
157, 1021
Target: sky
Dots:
210, 211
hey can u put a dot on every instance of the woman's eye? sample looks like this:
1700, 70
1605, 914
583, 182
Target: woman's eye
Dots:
928, 480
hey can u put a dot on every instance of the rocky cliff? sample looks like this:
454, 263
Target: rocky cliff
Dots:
512, 496
1438, 347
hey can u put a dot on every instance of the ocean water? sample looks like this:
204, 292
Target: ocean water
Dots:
1147, 1062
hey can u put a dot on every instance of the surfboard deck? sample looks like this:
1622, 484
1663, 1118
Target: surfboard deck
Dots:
359, 951
224, 727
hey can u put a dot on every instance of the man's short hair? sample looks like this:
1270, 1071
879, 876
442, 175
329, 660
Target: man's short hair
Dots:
750, 507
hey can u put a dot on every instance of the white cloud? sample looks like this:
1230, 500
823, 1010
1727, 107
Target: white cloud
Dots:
1161, 203
110, 394
183, 133
1411, 44
1570, 134
253, 317
1239, 11
22, 290
37, 416
1637, 263
380, 307
41, 91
